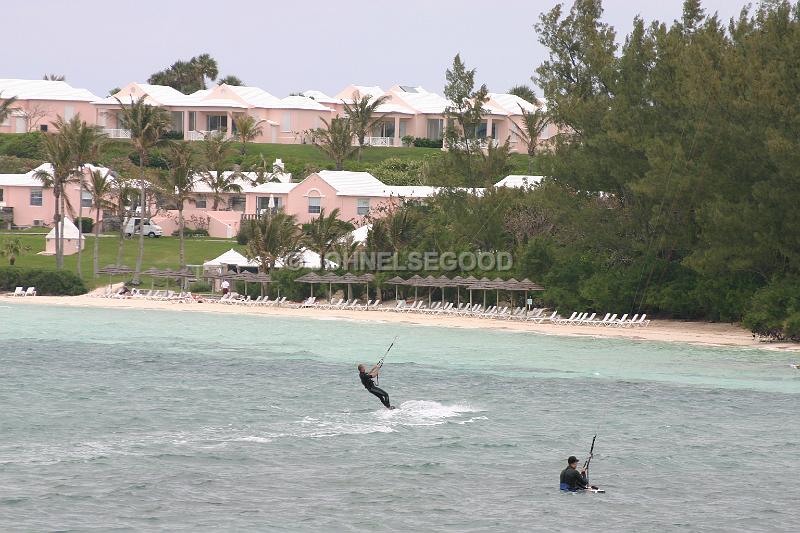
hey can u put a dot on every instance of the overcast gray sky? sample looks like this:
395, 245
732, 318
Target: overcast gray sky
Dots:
295, 45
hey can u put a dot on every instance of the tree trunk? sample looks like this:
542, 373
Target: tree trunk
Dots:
181, 224
121, 243
56, 218
142, 200
61, 237
95, 257
80, 220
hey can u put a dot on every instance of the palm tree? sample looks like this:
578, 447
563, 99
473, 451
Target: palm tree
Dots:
147, 125
57, 152
124, 192
12, 248
101, 188
215, 150
335, 140
230, 80
178, 184
247, 128
204, 66
274, 236
54, 77
323, 232
84, 142
6, 107
360, 112
533, 124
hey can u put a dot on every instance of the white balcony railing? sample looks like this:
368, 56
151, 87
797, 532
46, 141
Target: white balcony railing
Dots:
117, 133
199, 135
378, 141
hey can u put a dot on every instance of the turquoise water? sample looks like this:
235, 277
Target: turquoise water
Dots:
122, 420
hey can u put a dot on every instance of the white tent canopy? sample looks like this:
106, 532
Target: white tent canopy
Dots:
70, 231
306, 259
231, 257
359, 235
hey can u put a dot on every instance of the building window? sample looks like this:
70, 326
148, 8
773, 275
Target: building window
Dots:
384, 128
69, 112
435, 128
192, 120
495, 130
480, 131
200, 203
363, 206
177, 121
263, 204
314, 205
86, 199
237, 203
1, 195
217, 123
403, 124
43, 128
36, 196
286, 122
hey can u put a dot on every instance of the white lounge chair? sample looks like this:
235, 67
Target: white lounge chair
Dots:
619, 321
586, 319
309, 302
566, 320
19, 291
542, 318
641, 322
374, 306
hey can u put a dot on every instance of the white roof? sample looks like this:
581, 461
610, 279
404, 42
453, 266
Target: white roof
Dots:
349, 183
231, 257
43, 90
301, 102
421, 101
320, 96
519, 181
281, 187
155, 95
70, 231
512, 103
29, 178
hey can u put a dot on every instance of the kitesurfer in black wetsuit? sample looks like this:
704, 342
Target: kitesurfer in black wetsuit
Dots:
571, 479
366, 380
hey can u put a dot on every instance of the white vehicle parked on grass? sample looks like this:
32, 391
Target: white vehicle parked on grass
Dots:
150, 229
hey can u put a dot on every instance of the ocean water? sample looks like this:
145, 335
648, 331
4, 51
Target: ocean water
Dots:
125, 420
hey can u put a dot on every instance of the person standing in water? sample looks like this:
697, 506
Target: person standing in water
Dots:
366, 380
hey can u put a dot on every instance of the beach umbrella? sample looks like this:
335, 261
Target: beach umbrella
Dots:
349, 279
457, 282
415, 281
331, 278
311, 278
396, 281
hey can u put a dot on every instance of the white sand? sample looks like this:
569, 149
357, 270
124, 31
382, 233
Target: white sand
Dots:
659, 330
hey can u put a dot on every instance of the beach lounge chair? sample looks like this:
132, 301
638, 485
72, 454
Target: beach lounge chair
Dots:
586, 319
309, 302
31, 291
626, 323
279, 301
600, 322
398, 305
544, 318
19, 291
444, 308
641, 322
374, 306
567, 320
614, 323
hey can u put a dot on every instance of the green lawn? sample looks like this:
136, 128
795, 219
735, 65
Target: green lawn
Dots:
158, 253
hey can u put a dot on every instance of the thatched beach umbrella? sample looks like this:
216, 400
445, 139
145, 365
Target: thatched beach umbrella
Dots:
349, 279
396, 281
331, 278
311, 278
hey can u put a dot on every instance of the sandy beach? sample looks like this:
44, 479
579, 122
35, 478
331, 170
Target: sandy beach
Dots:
700, 333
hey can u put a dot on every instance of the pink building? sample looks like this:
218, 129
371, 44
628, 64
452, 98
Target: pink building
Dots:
419, 113
283, 120
25, 202
40, 102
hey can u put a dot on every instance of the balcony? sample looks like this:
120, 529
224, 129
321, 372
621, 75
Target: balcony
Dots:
378, 141
199, 135
117, 133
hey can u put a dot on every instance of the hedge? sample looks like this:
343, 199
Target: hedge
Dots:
47, 282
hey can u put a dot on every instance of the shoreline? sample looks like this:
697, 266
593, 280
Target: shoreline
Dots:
674, 331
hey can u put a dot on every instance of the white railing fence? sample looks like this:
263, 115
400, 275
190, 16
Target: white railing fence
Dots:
117, 133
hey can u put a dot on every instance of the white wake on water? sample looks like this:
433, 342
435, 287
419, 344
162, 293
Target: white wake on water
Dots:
423, 413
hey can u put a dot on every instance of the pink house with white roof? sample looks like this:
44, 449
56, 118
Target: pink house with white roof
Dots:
283, 120
40, 102
27, 203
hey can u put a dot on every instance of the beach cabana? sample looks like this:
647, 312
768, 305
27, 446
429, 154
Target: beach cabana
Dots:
72, 239
311, 278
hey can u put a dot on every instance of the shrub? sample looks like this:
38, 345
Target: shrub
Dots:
154, 159
173, 136
28, 145
47, 282
244, 234
283, 283
397, 171
86, 224
408, 140
200, 286
191, 232
422, 142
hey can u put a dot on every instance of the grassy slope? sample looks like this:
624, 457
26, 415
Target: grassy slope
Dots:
159, 253
297, 157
